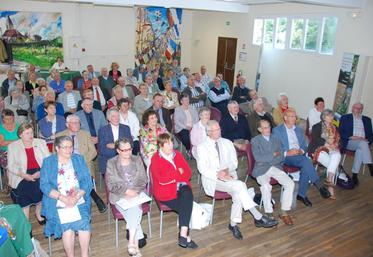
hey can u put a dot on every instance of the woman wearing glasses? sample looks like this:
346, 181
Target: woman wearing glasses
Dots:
66, 185
126, 178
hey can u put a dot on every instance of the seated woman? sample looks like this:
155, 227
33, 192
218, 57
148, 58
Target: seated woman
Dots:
171, 175
25, 157
59, 65
126, 178
31, 84
117, 95
66, 183
142, 101
324, 147
184, 118
18, 103
84, 82
198, 133
114, 72
283, 105
170, 98
149, 135
21, 86
38, 96
130, 79
51, 124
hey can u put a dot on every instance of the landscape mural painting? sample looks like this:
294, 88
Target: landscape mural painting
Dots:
30, 38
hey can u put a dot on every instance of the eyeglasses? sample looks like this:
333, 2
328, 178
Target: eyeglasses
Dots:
66, 147
125, 150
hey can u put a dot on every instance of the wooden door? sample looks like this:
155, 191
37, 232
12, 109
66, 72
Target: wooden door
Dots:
226, 58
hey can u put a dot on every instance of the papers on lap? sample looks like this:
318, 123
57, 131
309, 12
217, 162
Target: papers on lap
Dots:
68, 215
125, 204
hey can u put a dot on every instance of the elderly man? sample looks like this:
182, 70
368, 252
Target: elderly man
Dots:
49, 97
241, 92
88, 93
98, 95
294, 148
234, 126
107, 135
247, 108
197, 97
164, 117
205, 77
69, 98
107, 83
57, 84
219, 96
142, 101
91, 120
8, 83
268, 160
282, 106
258, 114
356, 135
184, 78
127, 91
217, 163
140, 73
151, 87
91, 72
83, 145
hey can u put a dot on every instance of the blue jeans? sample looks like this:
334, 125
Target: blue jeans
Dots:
307, 172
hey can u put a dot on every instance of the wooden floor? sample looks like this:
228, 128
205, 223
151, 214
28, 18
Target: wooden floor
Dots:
330, 228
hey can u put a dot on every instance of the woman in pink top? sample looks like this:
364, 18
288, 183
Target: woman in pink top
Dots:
198, 132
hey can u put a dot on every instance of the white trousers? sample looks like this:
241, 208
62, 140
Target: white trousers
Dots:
330, 160
133, 217
240, 197
266, 189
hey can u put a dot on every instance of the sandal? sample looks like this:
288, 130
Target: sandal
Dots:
329, 183
132, 250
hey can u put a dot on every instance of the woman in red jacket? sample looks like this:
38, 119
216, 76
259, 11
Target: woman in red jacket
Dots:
170, 175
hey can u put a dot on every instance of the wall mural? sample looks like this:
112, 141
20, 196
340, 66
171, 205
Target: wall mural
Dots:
30, 37
157, 35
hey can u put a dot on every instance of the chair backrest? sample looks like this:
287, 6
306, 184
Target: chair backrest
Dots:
75, 81
250, 160
215, 114
135, 90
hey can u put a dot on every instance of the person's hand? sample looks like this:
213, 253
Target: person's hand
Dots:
130, 193
188, 128
277, 153
69, 201
27, 177
110, 145
36, 175
357, 138
94, 140
222, 174
181, 170
293, 152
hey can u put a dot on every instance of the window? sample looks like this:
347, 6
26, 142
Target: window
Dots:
312, 30
268, 31
297, 28
258, 32
281, 32
329, 30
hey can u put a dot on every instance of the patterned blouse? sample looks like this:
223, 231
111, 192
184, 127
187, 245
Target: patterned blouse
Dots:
170, 100
67, 180
148, 140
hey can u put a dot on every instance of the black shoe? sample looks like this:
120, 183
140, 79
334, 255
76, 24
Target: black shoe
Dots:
41, 222
183, 242
265, 222
304, 200
324, 192
235, 231
102, 207
355, 179
370, 166
142, 241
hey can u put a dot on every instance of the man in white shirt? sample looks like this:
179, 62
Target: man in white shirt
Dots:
127, 91
69, 98
98, 95
219, 96
315, 112
206, 78
184, 78
217, 163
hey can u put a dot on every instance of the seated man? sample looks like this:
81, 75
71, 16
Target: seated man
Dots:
224, 84
164, 117
258, 114
205, 77
57, 84
83, 145
98, 94
49, 97
234, 126
241, 92
356, 135
106, 83
127, 90
249, 107
91, 120
294, 147
151, 87
268, 160
217, 163
8, 83
196, 95
69, 98
88, 93
184, 78
91, 72
315, 112
219, 97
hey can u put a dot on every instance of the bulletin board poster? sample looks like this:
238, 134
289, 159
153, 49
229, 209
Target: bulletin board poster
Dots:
345, 84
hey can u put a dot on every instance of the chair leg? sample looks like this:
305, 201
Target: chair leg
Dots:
200, 191
261, 203
212, 211
363, 169
100, 182
50, 246
160, 225
246, 178
149, 225
199, 179
94, 184
116, 233
108, 213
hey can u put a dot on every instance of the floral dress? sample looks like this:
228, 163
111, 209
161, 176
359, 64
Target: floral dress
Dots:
148, 141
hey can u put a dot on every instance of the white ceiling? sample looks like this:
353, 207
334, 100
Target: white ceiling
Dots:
241, 6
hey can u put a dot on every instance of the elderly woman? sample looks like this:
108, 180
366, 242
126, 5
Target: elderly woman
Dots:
114, 72
126, 178
130, 79
118, 94
31, 84
324, 147
84, 82
21, 86
283, 105
184, 118
170, 97
59, 65
66, 185
18, 103
8, 134
39, 96
171, 175
25, 157
198, 132
149, 135
51, 124
142, 101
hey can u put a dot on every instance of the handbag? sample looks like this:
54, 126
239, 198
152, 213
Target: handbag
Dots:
343, 179
201, 215
21, 112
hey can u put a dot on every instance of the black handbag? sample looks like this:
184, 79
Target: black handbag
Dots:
21, 112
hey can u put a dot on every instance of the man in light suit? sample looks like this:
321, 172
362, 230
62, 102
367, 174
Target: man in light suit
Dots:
217, 163
107, 136
268, 160
83, 145
91, 120
294, 149
69, 98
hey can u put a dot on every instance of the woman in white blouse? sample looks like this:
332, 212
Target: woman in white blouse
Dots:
198, 132
170, 101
